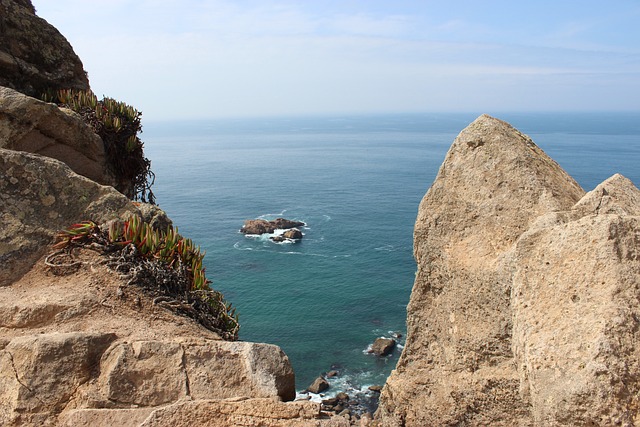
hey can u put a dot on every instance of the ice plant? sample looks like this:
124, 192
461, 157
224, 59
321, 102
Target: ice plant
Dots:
167, 249
118, 124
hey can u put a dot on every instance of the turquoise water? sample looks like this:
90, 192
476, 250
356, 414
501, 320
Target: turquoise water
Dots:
356, 182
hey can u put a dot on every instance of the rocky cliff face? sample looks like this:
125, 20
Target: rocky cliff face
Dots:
80, 344
34, 56
525, 306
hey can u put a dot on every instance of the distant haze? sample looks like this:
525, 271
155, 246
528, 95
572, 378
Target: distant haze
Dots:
198, 58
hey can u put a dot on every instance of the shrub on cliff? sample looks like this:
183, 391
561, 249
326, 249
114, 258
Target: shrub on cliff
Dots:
164, 263
118, 124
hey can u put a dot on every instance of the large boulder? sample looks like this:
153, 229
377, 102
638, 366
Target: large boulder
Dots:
40, 196
34, 56
383, 346
511, 319
28, 124
576, 311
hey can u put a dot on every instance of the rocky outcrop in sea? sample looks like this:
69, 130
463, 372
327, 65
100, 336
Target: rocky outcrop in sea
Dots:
525, 308
287, 227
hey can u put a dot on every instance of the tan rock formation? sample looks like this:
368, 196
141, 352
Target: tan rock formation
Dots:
40, 196
85, 346
576, 312
34, 56
28, 124
481, 345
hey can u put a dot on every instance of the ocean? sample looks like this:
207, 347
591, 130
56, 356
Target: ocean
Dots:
356, 181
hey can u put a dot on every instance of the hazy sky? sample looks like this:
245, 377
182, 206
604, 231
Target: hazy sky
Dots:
216, 58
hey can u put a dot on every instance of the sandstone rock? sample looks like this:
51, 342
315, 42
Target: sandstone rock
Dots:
146, 357
525, 307
576, 311
40, 373
40, 196
288, 236
28, 124
34, 56
250, 412
342, 396
257, 226
318, 386
220, 413
457, 365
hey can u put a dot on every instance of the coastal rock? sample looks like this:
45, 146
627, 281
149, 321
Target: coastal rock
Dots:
288, 236
457, 365
575, 310
283, 224
50, 369
262, 226
293, 234
28, 124
318, 386
34, 56
40, 196
525, 306
383, 346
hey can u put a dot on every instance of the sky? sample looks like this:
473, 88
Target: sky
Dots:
191, 59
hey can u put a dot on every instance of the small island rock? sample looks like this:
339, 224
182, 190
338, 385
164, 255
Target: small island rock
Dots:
383, 346
262, 226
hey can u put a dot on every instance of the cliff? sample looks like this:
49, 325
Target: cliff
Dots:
81, 342
525, 306
34, 56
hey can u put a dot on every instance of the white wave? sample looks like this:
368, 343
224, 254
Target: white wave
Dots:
272, 215
238, 247
386, 248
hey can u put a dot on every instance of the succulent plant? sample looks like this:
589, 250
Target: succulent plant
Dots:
118, 124
167, 249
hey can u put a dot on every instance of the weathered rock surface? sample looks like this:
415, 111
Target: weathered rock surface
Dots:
525, 304
576, 312
262, 226
34, 56
290, 235
79, 346
40, 196
87, 346
28, 124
